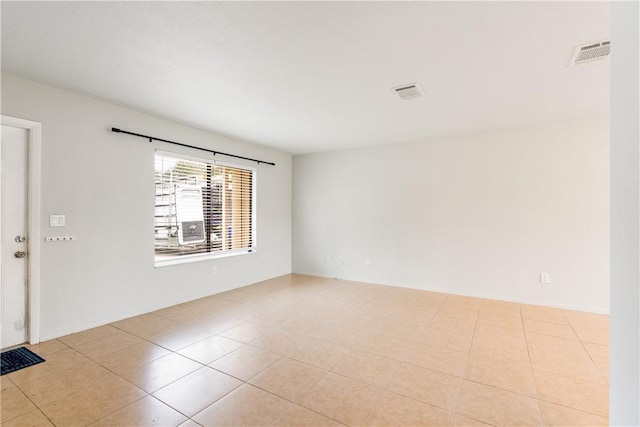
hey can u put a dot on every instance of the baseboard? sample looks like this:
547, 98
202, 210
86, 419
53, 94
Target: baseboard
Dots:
462, 293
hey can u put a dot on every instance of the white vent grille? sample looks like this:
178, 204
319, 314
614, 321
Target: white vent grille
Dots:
591, 52
409, 91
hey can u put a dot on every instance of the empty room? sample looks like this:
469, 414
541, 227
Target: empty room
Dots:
319, 213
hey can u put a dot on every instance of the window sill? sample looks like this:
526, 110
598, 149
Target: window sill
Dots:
187, 259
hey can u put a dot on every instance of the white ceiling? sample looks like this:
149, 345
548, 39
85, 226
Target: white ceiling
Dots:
314, 76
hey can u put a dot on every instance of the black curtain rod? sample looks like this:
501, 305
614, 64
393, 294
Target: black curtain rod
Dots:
153, 138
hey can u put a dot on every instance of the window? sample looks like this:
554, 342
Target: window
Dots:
202, 209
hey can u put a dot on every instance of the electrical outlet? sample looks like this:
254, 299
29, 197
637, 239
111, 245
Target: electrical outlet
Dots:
367, 261
214, 269
545, 278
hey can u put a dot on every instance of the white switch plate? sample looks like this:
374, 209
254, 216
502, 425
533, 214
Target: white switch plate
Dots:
57, 220
545, 278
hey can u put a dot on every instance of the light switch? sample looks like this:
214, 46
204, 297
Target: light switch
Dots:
57, 220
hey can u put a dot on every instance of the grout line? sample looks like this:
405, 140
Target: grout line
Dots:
535, 383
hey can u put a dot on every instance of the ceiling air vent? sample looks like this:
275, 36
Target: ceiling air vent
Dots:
591, 52
409, 91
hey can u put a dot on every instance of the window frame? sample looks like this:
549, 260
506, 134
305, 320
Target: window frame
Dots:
203, 256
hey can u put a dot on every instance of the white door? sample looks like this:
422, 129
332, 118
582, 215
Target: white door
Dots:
13, 232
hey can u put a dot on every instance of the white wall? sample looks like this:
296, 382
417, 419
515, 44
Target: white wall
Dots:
625, 208
480, 214
103, 182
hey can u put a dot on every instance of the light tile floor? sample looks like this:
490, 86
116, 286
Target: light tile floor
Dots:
307, 351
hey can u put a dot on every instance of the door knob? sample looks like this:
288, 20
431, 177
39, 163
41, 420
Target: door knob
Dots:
20, 254
20, 239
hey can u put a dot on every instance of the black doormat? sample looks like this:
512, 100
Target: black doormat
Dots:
18, 358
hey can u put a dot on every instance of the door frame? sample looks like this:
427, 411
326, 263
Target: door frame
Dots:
34, 148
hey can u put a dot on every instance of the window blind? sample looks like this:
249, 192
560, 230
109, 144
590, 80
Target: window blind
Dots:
202, 208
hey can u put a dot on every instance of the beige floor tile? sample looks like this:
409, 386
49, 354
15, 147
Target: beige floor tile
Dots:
137, 355
583, 319
160, 326
160, 372
173, 311
546, 314
47, 347
600, 356
549, 328
196, 391
343, 399
561, 416
110, 344
297, 416
539, 340
592, 335
605, 372
245, 362
438, 359
147, 411
93, 403
216, 304
289, 379
497, 407
367, 368
189, 423
213, 323
135, 321
598, 353
180, 338
562, 356
434, 388
33, 418
189, 315
463, 302
89, 335
64, 382
396, 410
501, 308
500, 333
13, 402
320, 353
54, 362
281, 343
456, 313
503, 344
518, 379
388, 346
245, 406
573, 393
210, 349
462, 421
196, 314
247, 331
6, 383
489, 318
453, 335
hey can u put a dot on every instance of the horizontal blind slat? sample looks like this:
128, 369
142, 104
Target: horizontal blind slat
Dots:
202, 207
